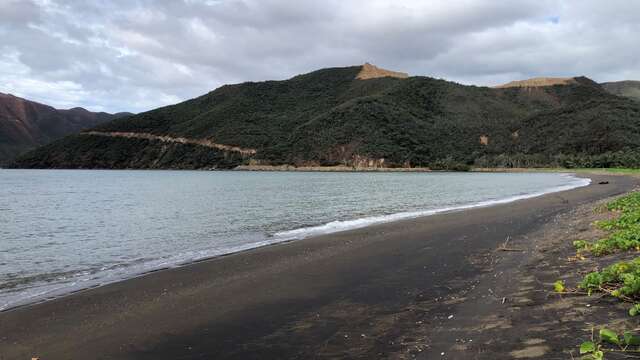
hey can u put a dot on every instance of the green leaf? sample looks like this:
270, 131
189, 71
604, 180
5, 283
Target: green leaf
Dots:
580, 244
635, 310
587, 347
596, 355
558, 286
609, 336
630, 339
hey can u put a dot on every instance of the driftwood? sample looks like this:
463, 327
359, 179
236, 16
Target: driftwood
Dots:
504, 246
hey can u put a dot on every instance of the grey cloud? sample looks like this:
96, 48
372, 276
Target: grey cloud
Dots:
18, 12
135, 55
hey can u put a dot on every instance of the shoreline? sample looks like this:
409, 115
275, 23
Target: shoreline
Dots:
351, 169
229, 306
298, 234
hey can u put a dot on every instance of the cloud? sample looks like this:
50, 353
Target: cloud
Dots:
134, 55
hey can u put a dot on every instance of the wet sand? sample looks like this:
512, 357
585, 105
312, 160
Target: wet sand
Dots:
386, 291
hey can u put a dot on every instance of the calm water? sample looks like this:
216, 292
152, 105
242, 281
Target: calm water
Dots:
64, 230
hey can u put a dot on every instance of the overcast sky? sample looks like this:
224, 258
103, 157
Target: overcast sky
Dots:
127, 55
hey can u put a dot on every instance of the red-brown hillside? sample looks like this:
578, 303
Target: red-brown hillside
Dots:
27, 124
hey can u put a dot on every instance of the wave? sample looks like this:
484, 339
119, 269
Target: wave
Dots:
344, 225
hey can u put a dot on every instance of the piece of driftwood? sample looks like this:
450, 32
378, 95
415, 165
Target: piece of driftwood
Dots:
504, 246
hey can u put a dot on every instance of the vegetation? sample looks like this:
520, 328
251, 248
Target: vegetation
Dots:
595, 349
327, 117
606, 160
91, 152
625, 228
620, 280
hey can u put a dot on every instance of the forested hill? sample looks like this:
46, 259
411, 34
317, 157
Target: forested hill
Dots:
363, 116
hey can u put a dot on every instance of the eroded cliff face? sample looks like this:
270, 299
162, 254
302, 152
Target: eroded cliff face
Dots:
539, 82
356, 162
370, 71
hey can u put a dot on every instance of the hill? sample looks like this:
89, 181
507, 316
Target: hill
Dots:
628, 88
26, 124
335, 117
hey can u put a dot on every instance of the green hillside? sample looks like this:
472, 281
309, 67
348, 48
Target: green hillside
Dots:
328, 117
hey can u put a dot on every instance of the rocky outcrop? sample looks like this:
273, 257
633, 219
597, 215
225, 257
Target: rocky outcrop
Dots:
538, 82
371, 72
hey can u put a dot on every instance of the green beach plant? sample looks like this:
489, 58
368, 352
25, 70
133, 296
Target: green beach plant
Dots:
625, 228
620, 280
595, 349
559, 286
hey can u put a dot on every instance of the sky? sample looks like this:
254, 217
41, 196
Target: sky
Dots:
136, 55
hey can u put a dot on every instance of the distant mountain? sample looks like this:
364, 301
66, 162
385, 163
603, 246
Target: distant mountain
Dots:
26, 124
364, 116
628, 88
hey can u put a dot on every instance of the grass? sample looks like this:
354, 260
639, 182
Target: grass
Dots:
621, 171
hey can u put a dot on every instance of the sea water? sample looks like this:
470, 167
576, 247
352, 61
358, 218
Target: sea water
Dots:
66, 230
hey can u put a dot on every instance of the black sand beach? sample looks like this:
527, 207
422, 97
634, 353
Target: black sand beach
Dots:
433, 287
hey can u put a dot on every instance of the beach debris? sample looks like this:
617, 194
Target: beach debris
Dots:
450, 317
603, 182
504, 246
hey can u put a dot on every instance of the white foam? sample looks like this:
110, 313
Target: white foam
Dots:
337, 226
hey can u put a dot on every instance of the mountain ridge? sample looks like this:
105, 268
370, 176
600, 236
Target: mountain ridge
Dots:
26, 124
331, 117
625, 88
